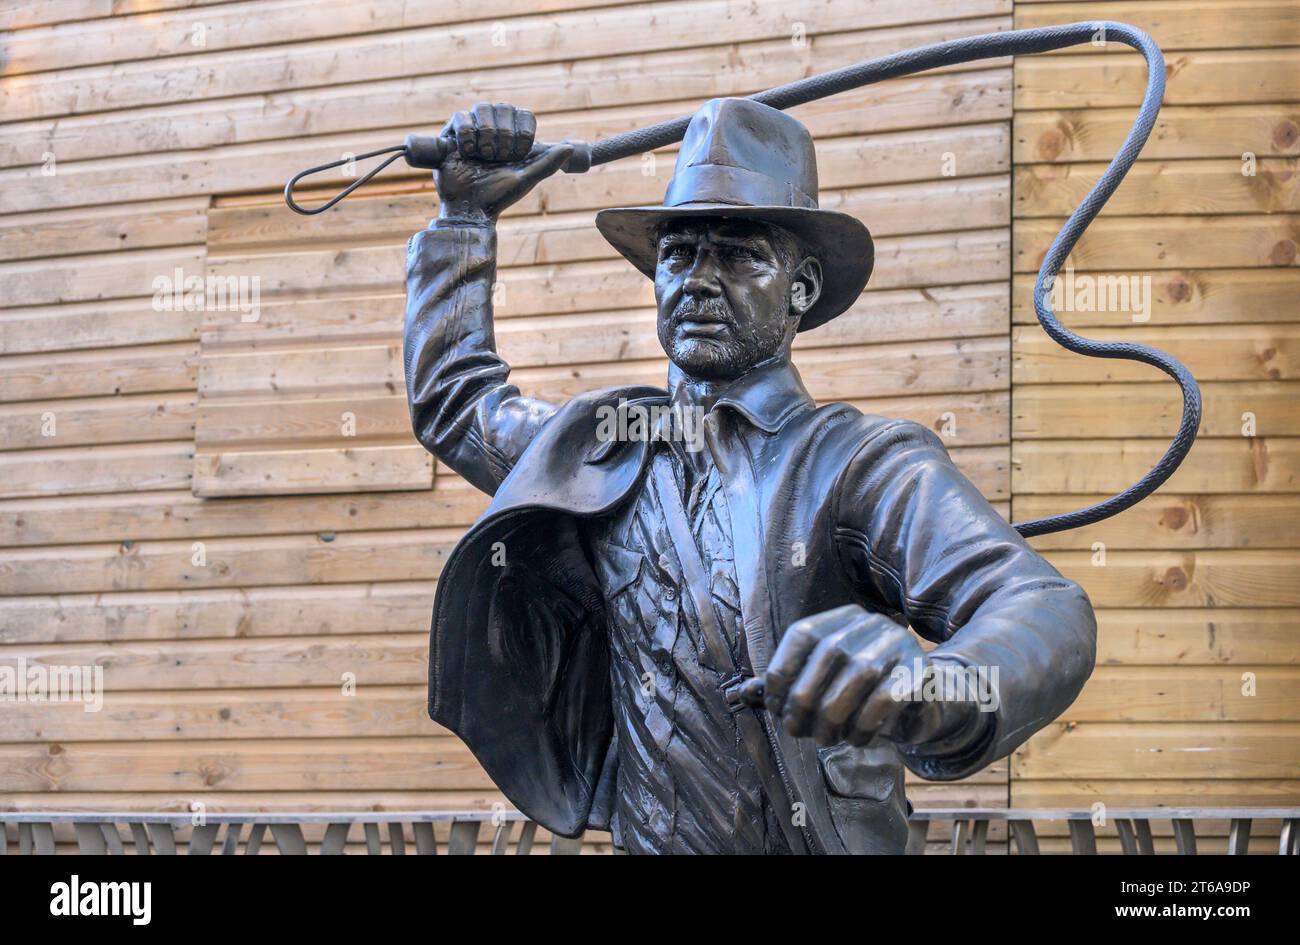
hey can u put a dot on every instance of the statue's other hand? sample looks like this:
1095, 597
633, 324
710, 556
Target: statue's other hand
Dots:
830, 679
495, 164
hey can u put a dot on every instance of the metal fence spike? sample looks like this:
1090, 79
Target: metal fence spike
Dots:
464, 837
426, 844
1022, 831
1083, 839
164, 838
1239, 836
396, 840
253, 845
372, 839
90, 839
288, 839
524, 845
336, 838
231, 844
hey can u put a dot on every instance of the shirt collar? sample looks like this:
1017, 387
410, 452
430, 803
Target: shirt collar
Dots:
768, 396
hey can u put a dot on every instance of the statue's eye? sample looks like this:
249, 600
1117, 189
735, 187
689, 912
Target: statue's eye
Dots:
677, 251
741, 254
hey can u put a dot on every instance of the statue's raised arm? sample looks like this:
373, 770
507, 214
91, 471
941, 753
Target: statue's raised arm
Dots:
463, 408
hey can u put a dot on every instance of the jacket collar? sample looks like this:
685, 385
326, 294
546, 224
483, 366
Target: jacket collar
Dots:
768, 396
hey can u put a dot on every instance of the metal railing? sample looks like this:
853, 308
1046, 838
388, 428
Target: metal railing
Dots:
196, 834
969, 828
511, 832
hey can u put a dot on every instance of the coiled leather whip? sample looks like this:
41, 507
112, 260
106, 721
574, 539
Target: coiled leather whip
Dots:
428, 152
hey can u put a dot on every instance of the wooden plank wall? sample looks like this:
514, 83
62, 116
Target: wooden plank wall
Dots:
195, 436
183, 500
1200, 585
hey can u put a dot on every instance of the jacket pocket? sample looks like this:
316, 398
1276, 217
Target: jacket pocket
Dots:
864, 791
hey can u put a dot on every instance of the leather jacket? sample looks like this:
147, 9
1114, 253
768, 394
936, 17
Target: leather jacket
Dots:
829, 507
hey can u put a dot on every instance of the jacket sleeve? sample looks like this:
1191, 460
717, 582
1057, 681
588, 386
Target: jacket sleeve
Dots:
918, 539
463, 410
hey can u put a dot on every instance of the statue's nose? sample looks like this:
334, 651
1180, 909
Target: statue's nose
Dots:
702, 278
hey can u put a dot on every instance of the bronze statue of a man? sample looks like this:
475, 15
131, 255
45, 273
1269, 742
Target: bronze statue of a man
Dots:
696, 634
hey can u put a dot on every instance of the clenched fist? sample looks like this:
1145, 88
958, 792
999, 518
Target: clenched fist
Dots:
830, 680
495, 163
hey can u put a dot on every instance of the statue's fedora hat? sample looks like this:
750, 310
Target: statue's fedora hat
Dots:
741, 159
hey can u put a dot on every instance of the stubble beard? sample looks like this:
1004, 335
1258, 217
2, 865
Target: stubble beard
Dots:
718, 359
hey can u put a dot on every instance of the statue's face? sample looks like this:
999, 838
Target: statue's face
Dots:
730, 294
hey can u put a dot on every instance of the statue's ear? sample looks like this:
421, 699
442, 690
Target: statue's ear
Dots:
805, 286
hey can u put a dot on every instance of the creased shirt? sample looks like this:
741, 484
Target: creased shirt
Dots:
686, 783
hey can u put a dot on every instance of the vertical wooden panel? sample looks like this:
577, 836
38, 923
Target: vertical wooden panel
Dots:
1202, 238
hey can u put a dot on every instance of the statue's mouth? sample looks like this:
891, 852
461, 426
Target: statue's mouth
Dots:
704, 328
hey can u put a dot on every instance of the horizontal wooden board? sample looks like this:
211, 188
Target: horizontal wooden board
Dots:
176, 515
1129, 243
1096, 411
168, 716
1182, 297
83, 325
1199, 750
1217, 466
332, 662
1171, 522
1159, 187
228, 562
100, 372
342, 609
1157, 792
290, 472
1179, 24
281, 764
1211, 578
268, 801
1238, 693
63, 424
1258, 353
1201, 77
1198, 636
1071, 133
179, 222
78, 471
24, 14
98, 276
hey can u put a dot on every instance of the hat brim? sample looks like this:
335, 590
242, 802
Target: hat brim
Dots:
841, 243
